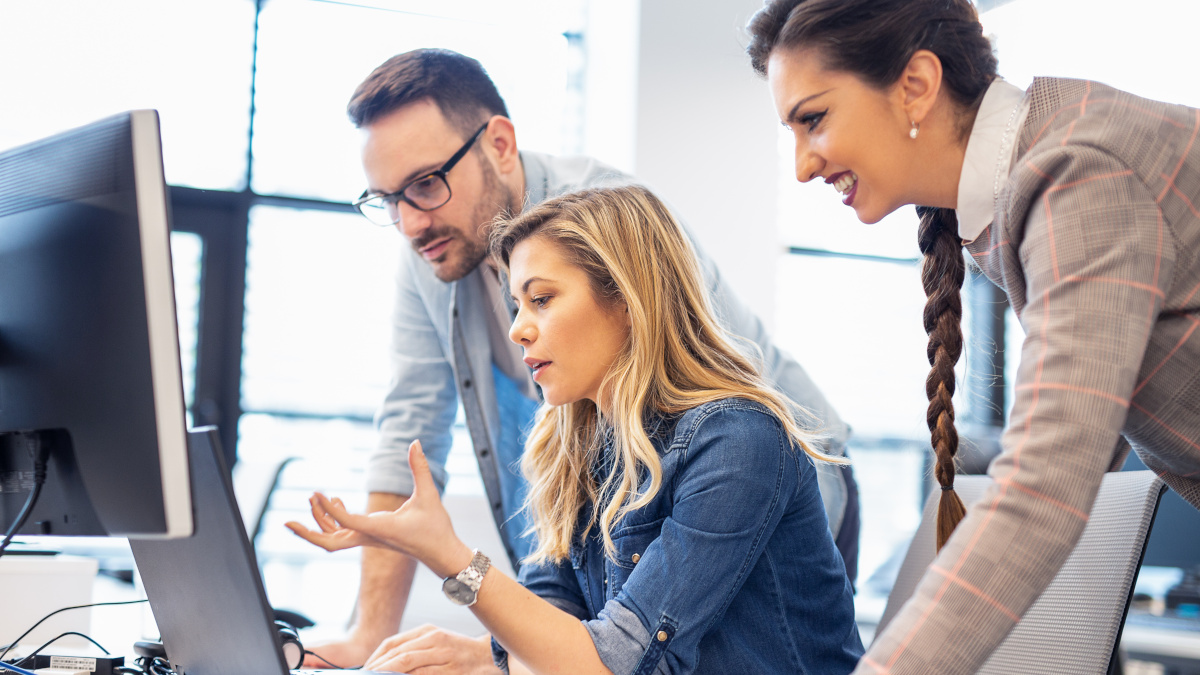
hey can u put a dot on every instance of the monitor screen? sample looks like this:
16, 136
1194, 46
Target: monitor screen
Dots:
89, 350
1166, 546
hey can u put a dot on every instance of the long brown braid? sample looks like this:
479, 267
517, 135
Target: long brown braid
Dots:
942, 276
875, 39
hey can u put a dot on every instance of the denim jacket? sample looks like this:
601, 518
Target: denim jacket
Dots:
729, 569
440, 354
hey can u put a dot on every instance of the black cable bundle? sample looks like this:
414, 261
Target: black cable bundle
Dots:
40, 449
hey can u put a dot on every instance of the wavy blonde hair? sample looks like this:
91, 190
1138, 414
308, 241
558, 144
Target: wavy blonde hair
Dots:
677, 356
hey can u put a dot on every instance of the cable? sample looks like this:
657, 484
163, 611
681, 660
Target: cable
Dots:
155, 666
18, 671
41, 460
147, 665
24, 659
328, 663
14, 643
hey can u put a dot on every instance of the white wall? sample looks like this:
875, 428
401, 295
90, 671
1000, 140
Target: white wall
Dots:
610, 108
706, 136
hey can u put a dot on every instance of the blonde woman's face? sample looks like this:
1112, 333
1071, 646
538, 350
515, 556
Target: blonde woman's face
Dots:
571, 340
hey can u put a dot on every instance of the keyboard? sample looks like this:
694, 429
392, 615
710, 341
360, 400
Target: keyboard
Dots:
1142, 620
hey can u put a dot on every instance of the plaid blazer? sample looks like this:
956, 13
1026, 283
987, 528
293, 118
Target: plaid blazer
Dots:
1096, 241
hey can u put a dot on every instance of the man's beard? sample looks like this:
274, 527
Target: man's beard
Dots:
497, 199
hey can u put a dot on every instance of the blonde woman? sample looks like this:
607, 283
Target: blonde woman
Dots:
672, 492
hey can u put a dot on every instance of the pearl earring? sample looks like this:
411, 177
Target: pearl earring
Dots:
916, 128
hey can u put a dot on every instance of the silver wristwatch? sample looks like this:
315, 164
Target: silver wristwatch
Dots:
463, 589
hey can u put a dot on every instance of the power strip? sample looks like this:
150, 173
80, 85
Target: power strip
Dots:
77, 664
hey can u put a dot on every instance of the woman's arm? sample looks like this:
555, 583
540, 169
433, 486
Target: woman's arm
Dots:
1097, 260
543, 637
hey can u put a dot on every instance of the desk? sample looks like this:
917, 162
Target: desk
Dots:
297, 576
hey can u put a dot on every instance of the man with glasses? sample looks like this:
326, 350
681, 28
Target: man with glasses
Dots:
441, 162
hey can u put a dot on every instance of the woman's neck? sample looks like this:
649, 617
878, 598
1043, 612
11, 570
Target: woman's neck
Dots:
939, 155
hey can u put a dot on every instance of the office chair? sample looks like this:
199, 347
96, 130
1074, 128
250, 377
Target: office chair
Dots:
1074, 628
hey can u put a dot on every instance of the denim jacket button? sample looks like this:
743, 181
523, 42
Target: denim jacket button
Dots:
662, 636
635, 558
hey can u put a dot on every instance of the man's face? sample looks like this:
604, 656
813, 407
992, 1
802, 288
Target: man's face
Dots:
414, 141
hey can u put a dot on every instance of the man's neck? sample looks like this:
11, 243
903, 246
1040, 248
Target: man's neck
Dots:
517, 182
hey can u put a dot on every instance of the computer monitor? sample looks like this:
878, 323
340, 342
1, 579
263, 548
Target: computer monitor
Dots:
89, 350
1173, 536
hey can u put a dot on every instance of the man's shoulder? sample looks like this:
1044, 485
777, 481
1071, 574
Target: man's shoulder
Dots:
564, 173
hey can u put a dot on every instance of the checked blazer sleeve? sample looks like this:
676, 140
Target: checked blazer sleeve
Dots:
1093, 259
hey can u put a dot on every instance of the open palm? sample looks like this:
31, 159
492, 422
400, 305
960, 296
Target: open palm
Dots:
420, 528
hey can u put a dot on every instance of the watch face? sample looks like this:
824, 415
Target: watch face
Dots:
458, 592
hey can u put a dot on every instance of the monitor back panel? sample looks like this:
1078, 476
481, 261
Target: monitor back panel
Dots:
206, 592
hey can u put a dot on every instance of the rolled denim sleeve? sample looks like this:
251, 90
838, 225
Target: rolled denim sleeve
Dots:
736, 479
557, 584
422, 399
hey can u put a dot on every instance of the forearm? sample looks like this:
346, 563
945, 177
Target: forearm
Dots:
542, 637
387, 578
515, 667
1000, 559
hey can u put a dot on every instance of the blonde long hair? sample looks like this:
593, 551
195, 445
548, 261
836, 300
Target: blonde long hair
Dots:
676, 357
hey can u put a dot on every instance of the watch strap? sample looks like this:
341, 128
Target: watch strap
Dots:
473, 575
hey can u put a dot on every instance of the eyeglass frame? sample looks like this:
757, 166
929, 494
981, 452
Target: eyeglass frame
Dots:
439, 172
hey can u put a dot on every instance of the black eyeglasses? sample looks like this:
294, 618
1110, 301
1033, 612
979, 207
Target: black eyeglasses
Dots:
424, 193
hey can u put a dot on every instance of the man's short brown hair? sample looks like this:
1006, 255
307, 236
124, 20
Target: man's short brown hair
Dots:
458, 85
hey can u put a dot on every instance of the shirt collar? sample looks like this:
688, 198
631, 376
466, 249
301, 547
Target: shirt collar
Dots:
988, 157
537, 182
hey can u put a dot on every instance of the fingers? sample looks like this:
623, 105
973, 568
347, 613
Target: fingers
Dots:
434, 651
333, 536
332, 514
405, 659
403, 643
327, 541
321, 515
411, 656
402, 638
423, 484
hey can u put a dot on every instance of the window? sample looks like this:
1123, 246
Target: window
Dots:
138, 54
283, 292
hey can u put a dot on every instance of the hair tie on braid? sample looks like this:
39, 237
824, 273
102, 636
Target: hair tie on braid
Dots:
942, 276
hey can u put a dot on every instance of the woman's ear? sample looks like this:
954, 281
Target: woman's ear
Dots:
920, 84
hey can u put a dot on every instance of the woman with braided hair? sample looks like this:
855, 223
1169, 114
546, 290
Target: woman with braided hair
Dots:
1083, 203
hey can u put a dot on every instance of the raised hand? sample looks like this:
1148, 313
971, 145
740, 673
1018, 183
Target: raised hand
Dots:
420, 528
332, 537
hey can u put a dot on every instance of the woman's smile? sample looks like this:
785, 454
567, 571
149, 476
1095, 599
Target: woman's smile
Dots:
846, 183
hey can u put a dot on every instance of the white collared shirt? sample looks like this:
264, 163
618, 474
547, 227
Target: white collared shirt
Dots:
989, 157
